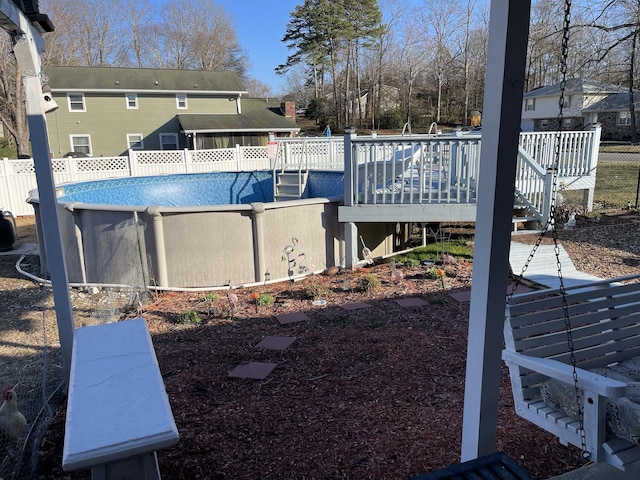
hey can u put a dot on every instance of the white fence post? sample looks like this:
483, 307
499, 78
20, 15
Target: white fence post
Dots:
188, 161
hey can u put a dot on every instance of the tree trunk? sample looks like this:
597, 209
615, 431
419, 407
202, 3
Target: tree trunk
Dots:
21, 133
632, 108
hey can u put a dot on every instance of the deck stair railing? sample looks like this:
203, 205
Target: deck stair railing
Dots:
531, 202
295, 157
578, 150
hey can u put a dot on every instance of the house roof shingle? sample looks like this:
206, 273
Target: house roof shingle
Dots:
257, 115
573, 85
618, 102
142, 79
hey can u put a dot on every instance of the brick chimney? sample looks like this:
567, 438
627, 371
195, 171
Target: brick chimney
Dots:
288, 107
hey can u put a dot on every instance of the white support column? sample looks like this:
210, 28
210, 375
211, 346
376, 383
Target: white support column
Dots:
350, 228
27, 56
508, 30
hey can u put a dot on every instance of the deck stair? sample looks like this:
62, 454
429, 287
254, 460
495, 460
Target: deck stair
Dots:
524, 217
291, 185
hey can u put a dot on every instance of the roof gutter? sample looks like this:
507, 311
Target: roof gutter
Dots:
241, 130
123, 90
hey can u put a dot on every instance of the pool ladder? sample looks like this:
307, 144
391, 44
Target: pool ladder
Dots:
291, 185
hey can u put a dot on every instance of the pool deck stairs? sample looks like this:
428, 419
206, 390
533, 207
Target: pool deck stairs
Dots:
290, 185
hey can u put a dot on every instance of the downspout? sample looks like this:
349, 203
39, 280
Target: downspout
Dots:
158, 242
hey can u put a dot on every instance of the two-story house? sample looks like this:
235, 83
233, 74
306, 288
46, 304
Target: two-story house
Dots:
540, 107
614, 115
104, 111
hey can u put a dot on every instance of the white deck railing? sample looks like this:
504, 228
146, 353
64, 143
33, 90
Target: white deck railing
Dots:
388, 170
416, 169
578, 151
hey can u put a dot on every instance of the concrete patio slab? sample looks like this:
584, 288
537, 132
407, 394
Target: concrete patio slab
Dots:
253, 370
23, 249
411, 302
294, 317
276, 343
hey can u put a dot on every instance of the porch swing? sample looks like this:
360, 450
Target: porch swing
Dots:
574, 353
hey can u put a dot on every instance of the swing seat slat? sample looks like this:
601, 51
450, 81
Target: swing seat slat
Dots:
605, 330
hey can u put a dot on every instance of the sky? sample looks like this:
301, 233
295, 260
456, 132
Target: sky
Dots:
260, 26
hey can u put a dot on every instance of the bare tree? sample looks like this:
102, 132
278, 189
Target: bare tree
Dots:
12, 111
197, 35
439, 23
88, 32
258, 89
137, 25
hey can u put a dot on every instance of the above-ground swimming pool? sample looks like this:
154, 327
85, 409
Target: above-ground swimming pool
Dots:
196, 230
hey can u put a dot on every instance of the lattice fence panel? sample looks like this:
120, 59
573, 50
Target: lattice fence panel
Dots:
101, 164
213, 156
159, 157
21, 167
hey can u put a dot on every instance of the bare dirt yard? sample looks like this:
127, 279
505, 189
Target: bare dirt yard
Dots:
370, 393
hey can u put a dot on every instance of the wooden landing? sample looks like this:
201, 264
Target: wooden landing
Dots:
543, 268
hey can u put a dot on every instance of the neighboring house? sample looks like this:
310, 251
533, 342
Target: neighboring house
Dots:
614, 114
389, 101
540, 107
104, 111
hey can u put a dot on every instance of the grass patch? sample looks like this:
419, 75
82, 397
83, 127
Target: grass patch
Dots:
616, 184
433, 251
619, 148
190, 317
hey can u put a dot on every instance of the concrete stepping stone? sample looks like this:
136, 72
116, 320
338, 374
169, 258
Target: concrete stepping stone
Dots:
355, 306
276, 343
294, 317
411, 302
253, 370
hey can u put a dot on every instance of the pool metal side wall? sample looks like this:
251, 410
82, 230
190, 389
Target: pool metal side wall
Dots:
311, 229
198, 246
208, 248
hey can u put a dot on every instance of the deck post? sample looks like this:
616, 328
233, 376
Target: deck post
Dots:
507, 49
350, 228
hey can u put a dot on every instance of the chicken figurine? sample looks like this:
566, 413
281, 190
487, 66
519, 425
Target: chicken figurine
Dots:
12, 422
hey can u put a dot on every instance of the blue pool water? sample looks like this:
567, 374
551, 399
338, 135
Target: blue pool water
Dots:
200, 189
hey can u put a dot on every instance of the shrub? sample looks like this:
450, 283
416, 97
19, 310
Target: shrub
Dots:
315, 291
369, 283
265, 299
189, 317
211, 297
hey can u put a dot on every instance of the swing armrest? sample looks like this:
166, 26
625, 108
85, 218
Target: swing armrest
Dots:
588, 381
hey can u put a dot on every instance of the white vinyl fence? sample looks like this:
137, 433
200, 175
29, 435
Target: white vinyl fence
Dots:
18, 178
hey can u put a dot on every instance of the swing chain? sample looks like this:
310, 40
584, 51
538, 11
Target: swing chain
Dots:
552, 211
549, 226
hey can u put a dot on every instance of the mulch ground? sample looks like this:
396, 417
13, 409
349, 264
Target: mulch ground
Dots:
373, 392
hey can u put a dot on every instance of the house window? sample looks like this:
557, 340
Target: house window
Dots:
168, 141
81, 144
567, 122
132, 100
530, 104
181, 100
76, 102
134, 141
624, 118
